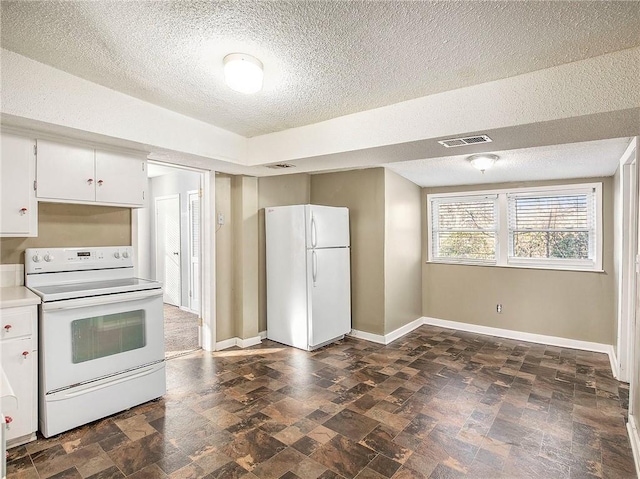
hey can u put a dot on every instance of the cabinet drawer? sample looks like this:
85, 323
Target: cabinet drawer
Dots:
19, 369
17, 322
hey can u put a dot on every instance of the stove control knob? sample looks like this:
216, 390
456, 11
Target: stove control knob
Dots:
116, 255
36, 258
48, 257
125, 254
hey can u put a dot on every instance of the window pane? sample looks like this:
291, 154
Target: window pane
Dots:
467, 245
102, 336
551, 212
556, 244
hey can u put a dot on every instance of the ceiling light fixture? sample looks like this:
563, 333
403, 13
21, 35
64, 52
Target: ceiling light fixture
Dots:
243, 73
483, 161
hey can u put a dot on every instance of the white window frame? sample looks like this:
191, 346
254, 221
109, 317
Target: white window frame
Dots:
503, 236
475, 198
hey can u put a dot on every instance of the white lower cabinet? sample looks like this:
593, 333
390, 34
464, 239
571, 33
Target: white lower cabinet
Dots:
19, 346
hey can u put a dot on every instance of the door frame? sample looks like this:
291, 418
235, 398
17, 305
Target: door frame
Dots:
191, 193
628, 228
207, 251
156, 199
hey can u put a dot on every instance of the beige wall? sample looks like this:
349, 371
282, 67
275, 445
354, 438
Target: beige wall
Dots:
569, 304
225, 318
66, 225
275, 191
362, 191
403, 252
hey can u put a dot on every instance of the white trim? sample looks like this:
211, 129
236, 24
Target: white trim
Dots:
528, 337
374, 338
241, 343
387, 338
634, 438
626, 227
227, 343
262, 334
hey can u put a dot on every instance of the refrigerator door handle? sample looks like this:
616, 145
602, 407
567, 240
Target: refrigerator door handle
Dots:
314, 233
314, 267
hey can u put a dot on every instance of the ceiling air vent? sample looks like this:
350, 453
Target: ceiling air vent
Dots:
470, 140
280, 166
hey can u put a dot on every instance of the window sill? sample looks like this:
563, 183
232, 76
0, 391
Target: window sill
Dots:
520, 266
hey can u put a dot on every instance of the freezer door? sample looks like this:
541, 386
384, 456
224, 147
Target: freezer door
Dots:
327, 226
329, 292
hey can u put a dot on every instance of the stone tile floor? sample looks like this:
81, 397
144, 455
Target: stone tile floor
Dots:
436, 403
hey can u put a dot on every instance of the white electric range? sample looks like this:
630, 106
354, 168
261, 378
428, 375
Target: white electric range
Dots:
101, 334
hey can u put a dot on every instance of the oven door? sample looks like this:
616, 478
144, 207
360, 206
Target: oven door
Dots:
85, 339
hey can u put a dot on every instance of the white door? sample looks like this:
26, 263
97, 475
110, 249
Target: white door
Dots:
327, 226
65, 172
168, 247
120, 179
329, 293
17, 198
194, 251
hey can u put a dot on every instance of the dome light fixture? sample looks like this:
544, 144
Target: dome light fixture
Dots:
243, 73
482, 161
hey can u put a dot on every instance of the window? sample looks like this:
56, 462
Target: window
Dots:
464, 229
549, 227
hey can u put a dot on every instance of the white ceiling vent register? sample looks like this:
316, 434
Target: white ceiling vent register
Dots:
469, 140
281, 165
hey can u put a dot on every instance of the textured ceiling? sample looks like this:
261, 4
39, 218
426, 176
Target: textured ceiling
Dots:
322, 59
574, 160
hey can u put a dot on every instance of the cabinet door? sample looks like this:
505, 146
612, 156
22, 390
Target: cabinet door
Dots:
65, 172
19, 369
18, 210
120, 179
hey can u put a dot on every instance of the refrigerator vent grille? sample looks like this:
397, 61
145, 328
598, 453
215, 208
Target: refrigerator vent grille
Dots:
281, 165
470, 140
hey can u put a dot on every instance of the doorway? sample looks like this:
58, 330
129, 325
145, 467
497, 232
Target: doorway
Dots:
173, 245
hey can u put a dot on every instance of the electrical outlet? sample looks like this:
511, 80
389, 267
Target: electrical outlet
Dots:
499, 308
220, 219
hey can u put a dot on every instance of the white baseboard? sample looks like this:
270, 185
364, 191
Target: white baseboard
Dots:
634, 438
387, 338
241, 343
262, 334
529, 337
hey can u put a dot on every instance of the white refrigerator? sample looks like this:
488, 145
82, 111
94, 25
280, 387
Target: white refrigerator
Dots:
308, 275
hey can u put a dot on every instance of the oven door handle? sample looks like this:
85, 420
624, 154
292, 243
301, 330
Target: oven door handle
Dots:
100, 300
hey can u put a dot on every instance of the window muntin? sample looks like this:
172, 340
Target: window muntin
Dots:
555, 227
464, 229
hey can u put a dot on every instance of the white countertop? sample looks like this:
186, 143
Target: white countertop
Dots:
14, 296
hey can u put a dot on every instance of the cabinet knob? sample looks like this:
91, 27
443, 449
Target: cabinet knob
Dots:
90, 181
25, 354
23, 211
100, 182
8, 419
7, 327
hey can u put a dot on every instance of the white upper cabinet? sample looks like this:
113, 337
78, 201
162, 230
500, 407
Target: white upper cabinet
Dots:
77, 174
18, 205
65, 172
119, 179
